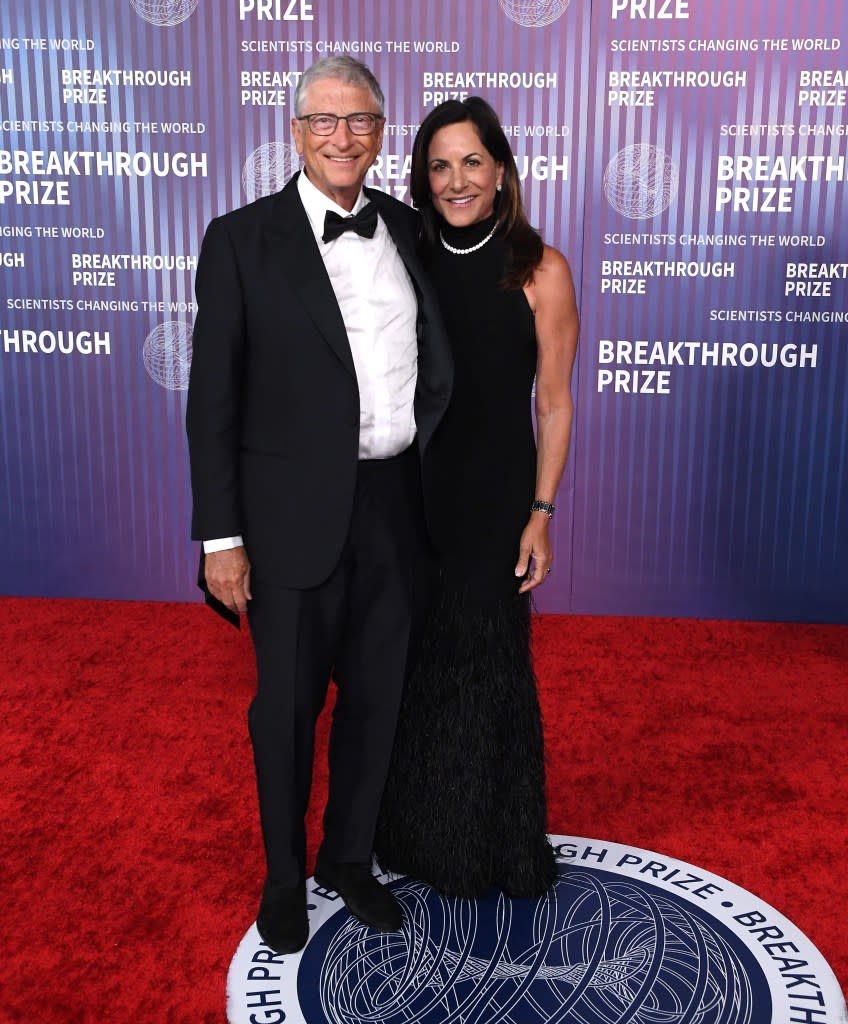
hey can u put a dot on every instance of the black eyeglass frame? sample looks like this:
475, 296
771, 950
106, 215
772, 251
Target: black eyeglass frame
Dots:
377, 118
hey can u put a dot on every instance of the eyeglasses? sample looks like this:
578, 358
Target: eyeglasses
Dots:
361, 123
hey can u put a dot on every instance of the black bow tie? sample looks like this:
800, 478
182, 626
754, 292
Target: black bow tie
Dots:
363, 223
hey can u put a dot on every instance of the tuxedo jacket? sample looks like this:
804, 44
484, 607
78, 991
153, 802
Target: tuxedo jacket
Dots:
273, 401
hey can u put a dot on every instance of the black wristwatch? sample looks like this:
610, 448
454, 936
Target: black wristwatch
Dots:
543, 506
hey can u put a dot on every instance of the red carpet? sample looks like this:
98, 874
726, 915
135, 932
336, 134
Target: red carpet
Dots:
131, 851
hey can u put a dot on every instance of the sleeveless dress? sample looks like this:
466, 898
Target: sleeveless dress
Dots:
464, 805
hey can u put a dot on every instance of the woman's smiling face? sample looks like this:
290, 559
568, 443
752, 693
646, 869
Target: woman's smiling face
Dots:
464, 176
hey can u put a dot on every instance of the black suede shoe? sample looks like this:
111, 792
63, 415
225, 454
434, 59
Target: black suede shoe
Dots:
282, 922
368, 901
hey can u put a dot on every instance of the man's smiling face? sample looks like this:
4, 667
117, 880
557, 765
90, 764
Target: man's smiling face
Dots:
337, 164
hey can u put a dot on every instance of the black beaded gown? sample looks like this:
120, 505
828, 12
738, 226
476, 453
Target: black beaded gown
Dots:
464, 806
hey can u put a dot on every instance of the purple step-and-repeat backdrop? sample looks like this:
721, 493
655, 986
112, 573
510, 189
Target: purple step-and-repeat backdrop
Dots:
689, 156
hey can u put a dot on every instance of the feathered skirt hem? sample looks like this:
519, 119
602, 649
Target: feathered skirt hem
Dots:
464, 806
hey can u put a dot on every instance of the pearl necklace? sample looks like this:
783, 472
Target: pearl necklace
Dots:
473, 248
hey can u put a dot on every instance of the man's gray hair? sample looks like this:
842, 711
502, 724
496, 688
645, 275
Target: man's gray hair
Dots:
347, 70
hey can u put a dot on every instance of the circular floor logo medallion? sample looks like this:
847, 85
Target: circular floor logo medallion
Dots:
625, 936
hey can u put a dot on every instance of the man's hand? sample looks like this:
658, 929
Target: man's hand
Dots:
228, 578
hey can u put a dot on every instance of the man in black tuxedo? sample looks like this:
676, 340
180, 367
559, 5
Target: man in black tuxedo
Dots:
320, 371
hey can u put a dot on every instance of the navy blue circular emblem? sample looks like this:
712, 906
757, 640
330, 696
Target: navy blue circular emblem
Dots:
624, 937
599, 949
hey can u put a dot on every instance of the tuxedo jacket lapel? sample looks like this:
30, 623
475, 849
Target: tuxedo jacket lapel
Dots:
402, 238
292, 247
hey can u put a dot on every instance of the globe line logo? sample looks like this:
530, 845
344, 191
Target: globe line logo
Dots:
640, 181
165, 13
167, 354
599, 949
268, 168
534, 13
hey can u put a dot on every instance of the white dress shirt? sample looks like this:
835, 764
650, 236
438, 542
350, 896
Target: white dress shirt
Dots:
379, 308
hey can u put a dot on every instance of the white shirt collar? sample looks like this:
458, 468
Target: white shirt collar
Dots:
316, 203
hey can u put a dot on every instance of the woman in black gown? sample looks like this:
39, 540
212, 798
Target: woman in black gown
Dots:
464, 807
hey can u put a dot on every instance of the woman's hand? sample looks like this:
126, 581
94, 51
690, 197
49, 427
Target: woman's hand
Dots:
534, 552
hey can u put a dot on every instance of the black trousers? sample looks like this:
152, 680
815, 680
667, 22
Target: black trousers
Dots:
354, 627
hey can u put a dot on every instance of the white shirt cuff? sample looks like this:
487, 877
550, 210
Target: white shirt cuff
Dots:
221, 544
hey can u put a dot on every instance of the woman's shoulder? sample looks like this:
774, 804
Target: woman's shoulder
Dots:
552, 272
552, 261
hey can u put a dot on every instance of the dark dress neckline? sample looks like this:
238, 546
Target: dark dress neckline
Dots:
468, 235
